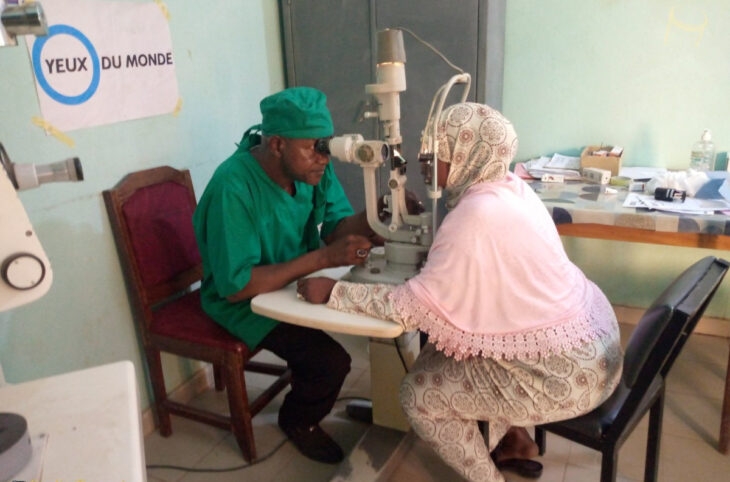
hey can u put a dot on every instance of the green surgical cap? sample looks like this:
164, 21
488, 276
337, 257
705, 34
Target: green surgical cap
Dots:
297, 112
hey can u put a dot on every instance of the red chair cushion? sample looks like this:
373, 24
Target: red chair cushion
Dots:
184, 319
160, 223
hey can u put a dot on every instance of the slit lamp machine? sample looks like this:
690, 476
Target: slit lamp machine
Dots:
408, 236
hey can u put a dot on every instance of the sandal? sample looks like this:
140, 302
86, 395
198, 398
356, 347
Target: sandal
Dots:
530, 469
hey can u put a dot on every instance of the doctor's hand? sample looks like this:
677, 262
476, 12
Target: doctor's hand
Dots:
347, 250
316, 290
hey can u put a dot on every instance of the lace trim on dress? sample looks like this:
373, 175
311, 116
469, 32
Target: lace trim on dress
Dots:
595, 320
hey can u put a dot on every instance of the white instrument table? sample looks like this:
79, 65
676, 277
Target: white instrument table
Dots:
92, 421
283, 305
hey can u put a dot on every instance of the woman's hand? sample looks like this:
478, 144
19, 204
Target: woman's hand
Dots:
315, 290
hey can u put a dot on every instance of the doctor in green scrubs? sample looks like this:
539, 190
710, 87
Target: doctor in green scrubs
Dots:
258, 225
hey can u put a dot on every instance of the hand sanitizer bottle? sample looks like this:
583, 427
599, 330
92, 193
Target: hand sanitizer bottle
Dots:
703, 153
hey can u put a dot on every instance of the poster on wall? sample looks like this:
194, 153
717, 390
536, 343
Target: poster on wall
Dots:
103, 62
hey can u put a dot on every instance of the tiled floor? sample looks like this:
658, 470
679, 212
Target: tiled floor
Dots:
688, 447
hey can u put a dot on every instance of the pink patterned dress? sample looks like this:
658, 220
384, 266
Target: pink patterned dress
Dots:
444, 396
518, 336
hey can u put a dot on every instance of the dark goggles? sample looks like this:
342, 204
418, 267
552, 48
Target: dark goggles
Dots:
322, 145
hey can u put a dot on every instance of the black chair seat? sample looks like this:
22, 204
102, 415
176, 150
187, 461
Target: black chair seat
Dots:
596, 424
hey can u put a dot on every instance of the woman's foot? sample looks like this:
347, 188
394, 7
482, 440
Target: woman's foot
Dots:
514, 452
516, 444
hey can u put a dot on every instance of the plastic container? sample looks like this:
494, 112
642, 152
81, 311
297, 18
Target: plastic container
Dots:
702, 157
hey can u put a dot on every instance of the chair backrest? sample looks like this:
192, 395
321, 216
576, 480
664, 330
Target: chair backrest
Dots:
151, 215
664, 328
658, 339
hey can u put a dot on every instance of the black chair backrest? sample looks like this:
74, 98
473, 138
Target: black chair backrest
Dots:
664, 328
657, 341
697, 302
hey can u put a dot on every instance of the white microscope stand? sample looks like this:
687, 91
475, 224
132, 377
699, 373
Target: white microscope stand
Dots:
377, 451
89, 420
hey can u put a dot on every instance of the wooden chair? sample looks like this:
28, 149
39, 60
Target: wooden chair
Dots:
151, 213
654, 345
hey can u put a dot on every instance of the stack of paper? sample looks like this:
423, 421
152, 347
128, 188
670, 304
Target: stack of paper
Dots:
641, 173
565, 166
689, 206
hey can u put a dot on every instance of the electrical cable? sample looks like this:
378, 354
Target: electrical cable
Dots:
400, 355
239, 467
7, 166
342, 399
443, 57
226, 469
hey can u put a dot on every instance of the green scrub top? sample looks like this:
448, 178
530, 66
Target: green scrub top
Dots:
244, 220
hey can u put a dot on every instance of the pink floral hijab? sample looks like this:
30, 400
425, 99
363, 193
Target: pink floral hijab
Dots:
497, 281
478, 142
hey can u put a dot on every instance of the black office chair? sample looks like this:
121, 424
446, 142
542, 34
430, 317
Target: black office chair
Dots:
650, 353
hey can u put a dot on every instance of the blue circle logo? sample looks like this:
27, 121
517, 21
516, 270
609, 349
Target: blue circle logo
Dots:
37, 67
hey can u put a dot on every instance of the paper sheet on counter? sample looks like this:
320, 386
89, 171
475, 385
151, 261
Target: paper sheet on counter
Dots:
689, 206
559, 161
637, 172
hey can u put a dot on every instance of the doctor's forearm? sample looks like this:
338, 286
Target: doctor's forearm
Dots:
265, 279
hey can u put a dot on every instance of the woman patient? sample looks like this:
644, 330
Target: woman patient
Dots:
518, 336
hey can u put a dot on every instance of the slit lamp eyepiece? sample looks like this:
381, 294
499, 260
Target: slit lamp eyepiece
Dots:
28, 176
25, 19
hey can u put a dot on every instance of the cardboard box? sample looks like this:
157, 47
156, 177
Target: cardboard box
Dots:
610, 163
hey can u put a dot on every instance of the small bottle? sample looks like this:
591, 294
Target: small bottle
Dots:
703, 153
